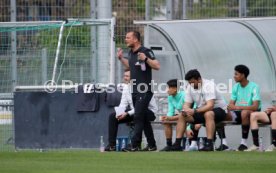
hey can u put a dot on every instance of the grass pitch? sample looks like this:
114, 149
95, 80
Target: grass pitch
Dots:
140, 162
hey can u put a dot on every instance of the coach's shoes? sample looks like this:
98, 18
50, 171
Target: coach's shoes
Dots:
166, 148
253, 148
271, 148
242, 147
150, 148
223, 147
131, 149
110, 148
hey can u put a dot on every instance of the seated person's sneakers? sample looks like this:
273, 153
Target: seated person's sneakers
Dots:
110, 148
193, 148
207, 148
149, 148
223, 147
271, 148
253, 148
242, 147
176, 147
166, 148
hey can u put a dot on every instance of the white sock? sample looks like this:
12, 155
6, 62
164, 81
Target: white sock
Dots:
224, 141
244, 141
193, 144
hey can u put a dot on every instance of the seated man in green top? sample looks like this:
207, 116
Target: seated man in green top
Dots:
176, 100
245, 99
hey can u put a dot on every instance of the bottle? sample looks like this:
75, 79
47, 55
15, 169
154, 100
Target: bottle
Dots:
214, 146
200, 145
187, 145
261, 146
143, 143
123, 143
101, 145
143, 65
117, 144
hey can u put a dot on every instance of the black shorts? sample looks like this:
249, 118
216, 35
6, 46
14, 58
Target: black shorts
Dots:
238, 118
269, 117
220, 115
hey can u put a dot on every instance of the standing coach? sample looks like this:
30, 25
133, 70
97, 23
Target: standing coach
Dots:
140, 61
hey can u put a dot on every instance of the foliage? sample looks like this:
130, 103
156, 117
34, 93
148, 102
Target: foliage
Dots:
261, 8
212, 9
78, 37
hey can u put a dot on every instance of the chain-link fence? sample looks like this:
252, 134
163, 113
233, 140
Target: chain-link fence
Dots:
124, 11
36, 46
85, 45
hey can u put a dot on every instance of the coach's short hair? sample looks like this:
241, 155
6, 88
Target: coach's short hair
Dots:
137, 35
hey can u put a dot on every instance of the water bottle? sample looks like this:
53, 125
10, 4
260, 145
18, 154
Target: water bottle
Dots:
124, 143
214, 145
143, 143
200, 145
143, 65
117, 144
101, 145
187, 145
261, 146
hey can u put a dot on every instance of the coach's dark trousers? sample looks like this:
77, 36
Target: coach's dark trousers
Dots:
142, 118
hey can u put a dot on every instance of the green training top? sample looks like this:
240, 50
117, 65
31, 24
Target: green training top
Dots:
175, 103
245, 96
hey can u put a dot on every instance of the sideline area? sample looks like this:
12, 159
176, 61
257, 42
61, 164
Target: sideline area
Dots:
80, 161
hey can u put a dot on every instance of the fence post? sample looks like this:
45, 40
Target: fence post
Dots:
44, 65
147, 6
93, 59
146, 27
13, 46
242, 8
169, 10
184, 15
104, 8
81, 75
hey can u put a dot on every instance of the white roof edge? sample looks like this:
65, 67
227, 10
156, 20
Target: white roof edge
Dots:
144, 22
36, 23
